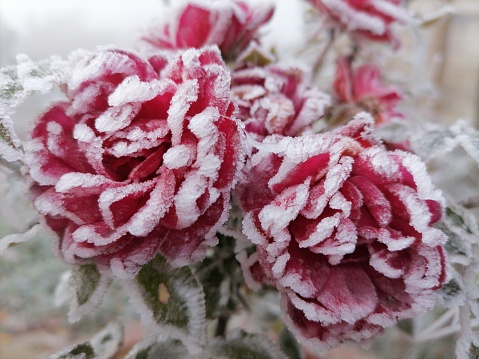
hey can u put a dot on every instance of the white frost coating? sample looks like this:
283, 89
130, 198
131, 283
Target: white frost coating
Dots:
354, 19
222, 79
246, 263
178, 156
132, 89
394, 244
382, 266
148, 216
83, 133
77, 311
155, 129
314, 312
202, 126
303, 285
12, 239
10, 153
324, 230
91, 65
111, 195
34, 77
335, 178
116, 118
280, 265
48, 203
276, 216
191, 189
82, 101
186, 94
420, 215
382, 162
209, 166
339, 202
194, 336
417, 168
250, 230
80, 179
88, 233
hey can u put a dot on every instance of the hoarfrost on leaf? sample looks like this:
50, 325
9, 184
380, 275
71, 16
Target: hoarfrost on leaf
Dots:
103, 345
86, 288
170, 301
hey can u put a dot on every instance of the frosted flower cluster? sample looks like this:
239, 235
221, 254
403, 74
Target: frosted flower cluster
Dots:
137, 162
344, 229
200, 164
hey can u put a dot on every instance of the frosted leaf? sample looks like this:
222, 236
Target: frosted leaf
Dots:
289, 345
13, 239
43, 76
432, 142
468, 138
103, 345
221, 278
16, 84
452, 294
86, 288
151, 349
170, 301
239, 344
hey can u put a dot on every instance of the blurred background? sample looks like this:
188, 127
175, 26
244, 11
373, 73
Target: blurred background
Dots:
30, 325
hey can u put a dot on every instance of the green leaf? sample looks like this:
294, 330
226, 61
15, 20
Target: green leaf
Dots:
86, 290
102, 346
221, 277
173, 349
170, 301
241, 345
289, 345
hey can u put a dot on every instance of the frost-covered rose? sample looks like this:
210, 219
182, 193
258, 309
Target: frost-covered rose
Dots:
276, 99
135, 163
344, 229
372, 19
362, 89
230, 24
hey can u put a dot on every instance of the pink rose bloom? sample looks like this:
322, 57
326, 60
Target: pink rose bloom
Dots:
135, 163
371, 19
230, 24
362, 89
277, 99
344, 229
